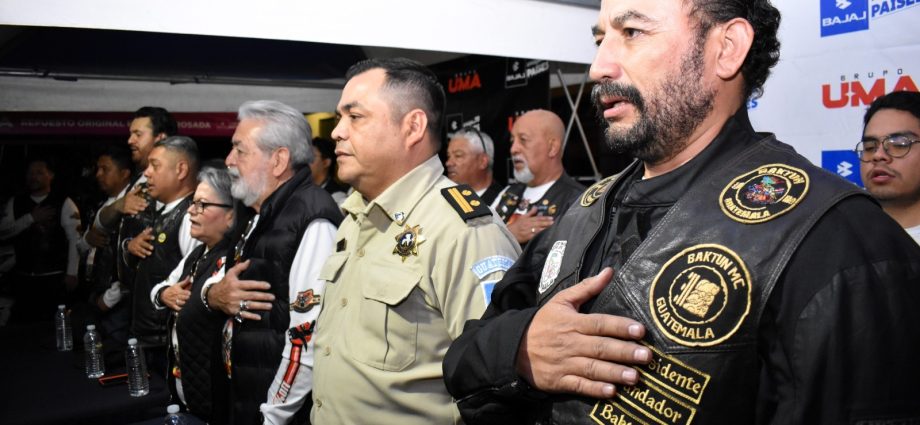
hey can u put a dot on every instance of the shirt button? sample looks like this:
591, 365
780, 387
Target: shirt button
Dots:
327, 350
360, 252
319, 403
344, 302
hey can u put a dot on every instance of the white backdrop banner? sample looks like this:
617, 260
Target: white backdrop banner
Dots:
837, 57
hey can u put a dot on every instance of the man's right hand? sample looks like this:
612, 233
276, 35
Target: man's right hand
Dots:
527, 226
133, 202
42, 214
227, 294
140, 246
565, 351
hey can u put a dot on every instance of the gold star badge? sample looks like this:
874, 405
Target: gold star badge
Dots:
407, 242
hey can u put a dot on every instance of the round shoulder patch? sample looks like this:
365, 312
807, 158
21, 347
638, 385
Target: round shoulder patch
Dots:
596, 191
764, 193
701, 296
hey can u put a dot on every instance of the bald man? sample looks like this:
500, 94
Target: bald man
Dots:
543, 189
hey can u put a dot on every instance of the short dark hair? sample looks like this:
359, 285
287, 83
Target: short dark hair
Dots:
120, 155
186, 147
326, 147
765, 19
160, 119
907, 101
49, 163
418, 87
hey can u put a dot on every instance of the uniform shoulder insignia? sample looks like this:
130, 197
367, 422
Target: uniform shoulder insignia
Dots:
465, 202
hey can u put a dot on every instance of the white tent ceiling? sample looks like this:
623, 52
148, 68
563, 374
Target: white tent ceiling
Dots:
426, 30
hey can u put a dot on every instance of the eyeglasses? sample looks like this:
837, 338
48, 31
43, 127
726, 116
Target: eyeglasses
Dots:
482, 142
201, 205
896, 146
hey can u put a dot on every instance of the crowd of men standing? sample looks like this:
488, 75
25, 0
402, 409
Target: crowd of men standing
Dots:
703, 282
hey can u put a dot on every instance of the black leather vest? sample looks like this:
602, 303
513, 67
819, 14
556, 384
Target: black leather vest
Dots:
40, 248
554, 202
198, 331
149, 324
129, 227
699, 283
270, 248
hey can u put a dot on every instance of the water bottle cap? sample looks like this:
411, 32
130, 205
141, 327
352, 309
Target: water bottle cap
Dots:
172, 408
132, 341
61, 306
90, 327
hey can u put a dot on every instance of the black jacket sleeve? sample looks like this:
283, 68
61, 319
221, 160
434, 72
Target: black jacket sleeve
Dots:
841, 331
479, 368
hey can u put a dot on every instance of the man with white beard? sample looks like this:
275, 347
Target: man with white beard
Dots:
543, 189
270, 292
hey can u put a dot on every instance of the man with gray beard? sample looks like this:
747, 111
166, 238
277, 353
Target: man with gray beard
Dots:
271, 291
720, 279
543, 189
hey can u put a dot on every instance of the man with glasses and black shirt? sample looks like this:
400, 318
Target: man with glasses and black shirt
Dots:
470, 155
889, 163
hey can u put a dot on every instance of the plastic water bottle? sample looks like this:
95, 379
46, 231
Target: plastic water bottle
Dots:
138, 385
62, 330
92, 345
173, 417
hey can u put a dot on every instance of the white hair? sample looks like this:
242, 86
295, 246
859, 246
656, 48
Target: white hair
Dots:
283, 127
479, 141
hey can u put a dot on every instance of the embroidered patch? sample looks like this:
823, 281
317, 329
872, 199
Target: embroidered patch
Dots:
764, 193
643, 403
551, 266
701, 296
492, 264
305, 301
656, 399
487, 287
596, 191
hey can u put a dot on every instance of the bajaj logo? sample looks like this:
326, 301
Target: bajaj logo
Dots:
843, 16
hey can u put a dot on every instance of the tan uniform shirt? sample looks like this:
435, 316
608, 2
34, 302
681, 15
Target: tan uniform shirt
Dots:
386, 319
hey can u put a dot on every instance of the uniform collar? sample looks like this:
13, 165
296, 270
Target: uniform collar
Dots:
398, 200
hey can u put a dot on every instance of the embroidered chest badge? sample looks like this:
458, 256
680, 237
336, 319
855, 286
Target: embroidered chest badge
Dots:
305, 301
552, 265
764, 193
596, 191
701, 296
407, 242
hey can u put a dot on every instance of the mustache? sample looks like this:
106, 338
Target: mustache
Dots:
606, 88
234, 172
519, 158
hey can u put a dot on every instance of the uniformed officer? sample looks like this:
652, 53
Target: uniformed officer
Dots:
415, 257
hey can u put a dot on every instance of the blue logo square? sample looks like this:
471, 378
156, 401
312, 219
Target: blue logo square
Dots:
843, 16
844, 163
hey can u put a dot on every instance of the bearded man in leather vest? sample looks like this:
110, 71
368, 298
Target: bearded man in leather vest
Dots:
720, 279
271, 291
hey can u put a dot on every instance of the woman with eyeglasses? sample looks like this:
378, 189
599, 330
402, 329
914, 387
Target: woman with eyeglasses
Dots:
196, 376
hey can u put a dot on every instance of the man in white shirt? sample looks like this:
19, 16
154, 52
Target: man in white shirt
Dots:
271, 293
889, 161
113, 174
544, 190
131, 213
43, 228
